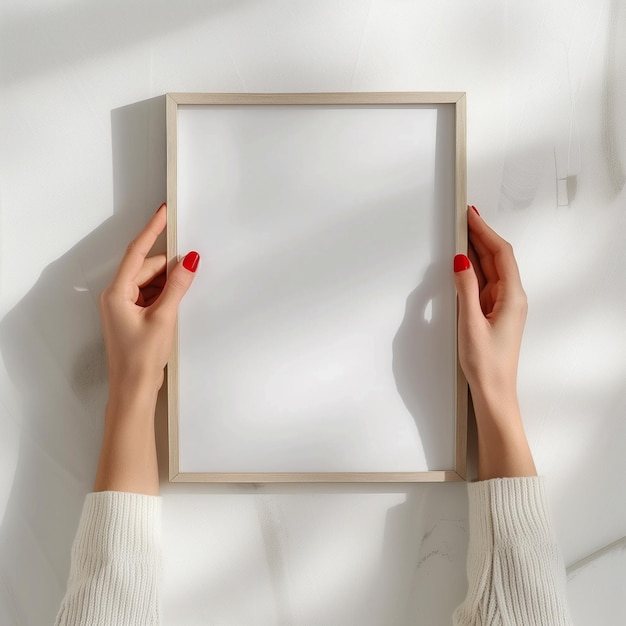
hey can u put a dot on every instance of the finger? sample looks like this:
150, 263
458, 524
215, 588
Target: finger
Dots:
485, 256
488, 242
139, 247
151, 268
467, 290
474, 258
178, 282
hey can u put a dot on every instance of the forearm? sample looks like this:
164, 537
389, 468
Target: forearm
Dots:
128, 460
503, 449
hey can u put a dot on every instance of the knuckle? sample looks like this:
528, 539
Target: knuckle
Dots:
177, 282
135, 247
524, 301
507, 247
108, 297
521, 301
104, 298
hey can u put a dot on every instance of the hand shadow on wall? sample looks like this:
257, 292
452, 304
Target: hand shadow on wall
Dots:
421, 367
52, 348
424, 551
424, 357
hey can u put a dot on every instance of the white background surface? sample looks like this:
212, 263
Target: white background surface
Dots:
82, 168
322, 224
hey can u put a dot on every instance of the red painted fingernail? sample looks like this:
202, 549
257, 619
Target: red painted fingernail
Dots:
475, 209
190, 262
461, 263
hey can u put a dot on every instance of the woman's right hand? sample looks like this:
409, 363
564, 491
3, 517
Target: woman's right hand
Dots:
492, 312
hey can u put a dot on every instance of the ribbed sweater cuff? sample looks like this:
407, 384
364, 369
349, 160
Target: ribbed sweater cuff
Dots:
514, 568
115, 523
116, 556
508, 511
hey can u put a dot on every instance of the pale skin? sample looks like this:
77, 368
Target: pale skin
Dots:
139, 310
492, 314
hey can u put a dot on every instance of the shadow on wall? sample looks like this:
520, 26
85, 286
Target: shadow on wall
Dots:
85, 30
562, 115
424, 553
52, 347
423, 559
429, 323
419, 379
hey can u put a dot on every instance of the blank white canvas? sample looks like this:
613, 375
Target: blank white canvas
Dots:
319, 333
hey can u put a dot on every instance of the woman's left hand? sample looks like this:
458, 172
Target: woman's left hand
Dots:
139, 309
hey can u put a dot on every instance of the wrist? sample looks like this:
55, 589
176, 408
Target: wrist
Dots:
128, 459
136, 396
134, 381
503, 449
495, 405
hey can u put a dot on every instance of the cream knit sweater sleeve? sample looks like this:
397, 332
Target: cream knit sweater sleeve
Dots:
516, 576
115, 564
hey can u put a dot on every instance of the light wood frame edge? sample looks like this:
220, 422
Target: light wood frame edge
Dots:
355, 97
173, 100
318, 477
460, 182
171, 112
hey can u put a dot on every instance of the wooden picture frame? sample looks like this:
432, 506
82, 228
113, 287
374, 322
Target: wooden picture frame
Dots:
192, 126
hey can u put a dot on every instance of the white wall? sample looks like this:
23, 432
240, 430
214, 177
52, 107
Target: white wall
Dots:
81, 166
